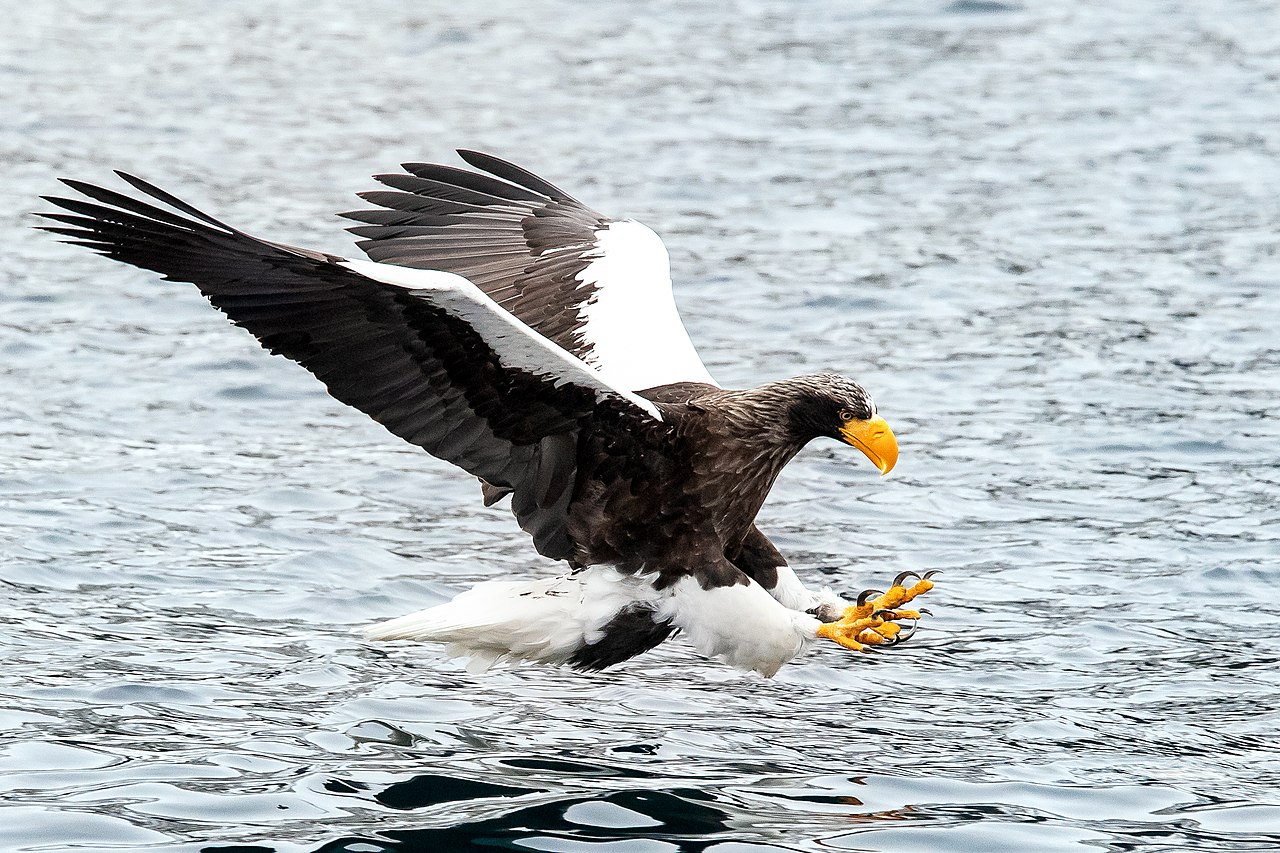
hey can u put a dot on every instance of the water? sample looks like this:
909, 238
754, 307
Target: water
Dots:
1044, 235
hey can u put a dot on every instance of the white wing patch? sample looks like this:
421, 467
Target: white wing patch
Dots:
631, 322
517, 345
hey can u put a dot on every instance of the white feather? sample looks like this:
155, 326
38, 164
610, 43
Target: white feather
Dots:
631, 322
741, 625
545, 620
794, 595
516, 344
549, 620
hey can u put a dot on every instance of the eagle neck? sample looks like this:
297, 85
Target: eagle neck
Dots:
750, 441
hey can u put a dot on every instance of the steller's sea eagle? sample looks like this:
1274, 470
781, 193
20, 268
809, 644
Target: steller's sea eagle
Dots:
503, 326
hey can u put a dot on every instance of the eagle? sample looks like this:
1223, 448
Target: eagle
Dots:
507, 328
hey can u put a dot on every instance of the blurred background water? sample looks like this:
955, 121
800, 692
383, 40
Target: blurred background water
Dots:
1043, 234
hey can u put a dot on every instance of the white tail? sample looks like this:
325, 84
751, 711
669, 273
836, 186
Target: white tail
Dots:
544, 620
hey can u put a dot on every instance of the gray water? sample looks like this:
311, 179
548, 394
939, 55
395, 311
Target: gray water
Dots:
1044, 235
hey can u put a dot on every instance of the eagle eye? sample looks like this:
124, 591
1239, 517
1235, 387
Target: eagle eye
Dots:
845, 415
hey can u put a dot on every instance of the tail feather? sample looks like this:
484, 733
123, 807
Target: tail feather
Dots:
548, 620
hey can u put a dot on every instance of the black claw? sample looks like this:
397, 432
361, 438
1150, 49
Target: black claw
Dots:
903, 576
877, 615
930, 574
868, 593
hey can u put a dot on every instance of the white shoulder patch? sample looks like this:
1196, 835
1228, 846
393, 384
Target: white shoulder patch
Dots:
407, 277
516, 344
631, 322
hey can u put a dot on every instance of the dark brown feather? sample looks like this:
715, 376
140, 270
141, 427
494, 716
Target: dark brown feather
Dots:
410, 363
532, 240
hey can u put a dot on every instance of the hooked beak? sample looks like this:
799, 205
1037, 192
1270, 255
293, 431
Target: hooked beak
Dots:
875, 439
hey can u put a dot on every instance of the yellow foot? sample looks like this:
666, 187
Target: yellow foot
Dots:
873, 621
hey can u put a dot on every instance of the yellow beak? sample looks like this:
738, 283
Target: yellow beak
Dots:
875, 439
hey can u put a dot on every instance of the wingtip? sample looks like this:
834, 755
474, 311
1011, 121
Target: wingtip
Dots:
470, 156
512, 173
61, 201
82, 187
145, 186
138, 183
391, 179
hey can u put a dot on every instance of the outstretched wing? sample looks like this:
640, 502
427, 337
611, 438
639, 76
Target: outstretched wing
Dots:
599, 288
426, 354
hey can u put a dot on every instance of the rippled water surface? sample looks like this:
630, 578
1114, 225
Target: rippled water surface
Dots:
1044, 235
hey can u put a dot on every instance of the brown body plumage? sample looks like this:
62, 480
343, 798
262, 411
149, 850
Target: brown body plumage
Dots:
689, 493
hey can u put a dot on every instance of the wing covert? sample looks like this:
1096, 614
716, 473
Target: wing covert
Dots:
597, 287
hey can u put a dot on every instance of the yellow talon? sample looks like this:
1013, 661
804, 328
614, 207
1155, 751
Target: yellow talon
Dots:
920, 587
874, 622
857, 611
838, 632
870, 637
888, 630
891, 599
